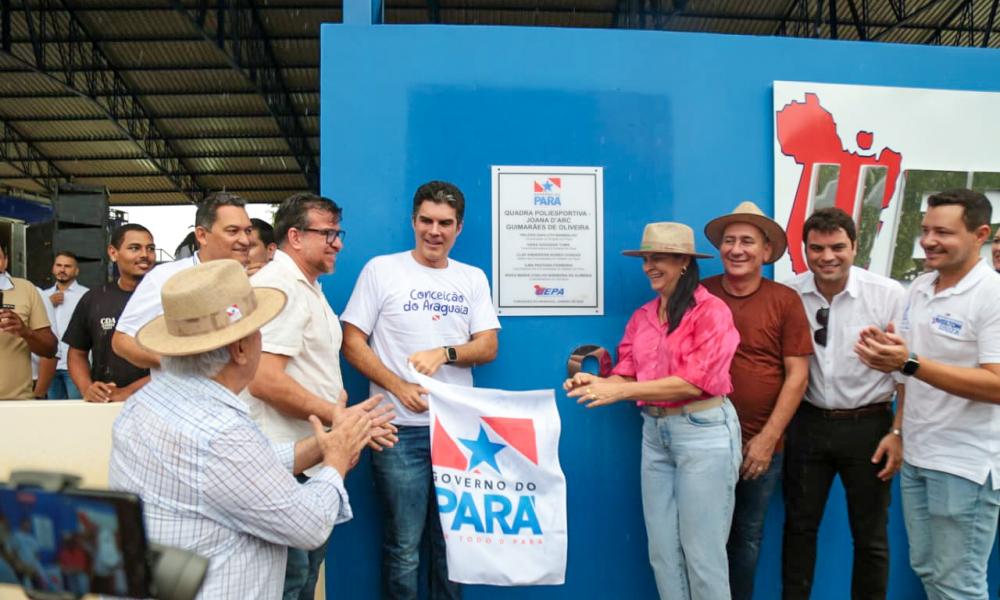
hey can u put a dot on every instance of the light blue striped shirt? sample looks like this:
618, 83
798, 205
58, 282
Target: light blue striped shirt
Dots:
213, 484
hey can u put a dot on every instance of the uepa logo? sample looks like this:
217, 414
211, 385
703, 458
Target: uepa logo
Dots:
541, 290
477, 497
548, 191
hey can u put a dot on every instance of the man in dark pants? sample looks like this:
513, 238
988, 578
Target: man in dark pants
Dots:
845, 425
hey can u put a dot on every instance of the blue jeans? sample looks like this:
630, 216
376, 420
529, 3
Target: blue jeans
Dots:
405, 488
302, 568
752, 499
951, 522
690, 464
62, 387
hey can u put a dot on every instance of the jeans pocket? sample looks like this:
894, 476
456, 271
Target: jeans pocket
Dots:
712, 417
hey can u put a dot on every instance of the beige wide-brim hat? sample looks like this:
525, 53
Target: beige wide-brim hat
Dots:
748, 212
667, 238
209, 306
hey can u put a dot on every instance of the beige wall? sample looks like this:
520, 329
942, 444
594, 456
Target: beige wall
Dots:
68, 436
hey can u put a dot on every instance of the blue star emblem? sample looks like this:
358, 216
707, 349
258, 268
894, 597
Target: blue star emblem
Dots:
547, 186
483, 450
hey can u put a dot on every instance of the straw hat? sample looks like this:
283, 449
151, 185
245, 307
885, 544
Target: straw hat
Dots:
207, 307
667, 238
748, 212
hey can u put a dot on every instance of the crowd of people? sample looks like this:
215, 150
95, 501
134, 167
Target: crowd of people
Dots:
237, 432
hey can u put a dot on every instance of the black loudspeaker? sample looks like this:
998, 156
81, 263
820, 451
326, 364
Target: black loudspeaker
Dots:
81, 227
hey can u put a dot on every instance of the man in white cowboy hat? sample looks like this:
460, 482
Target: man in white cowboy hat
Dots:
210, 481
770, 370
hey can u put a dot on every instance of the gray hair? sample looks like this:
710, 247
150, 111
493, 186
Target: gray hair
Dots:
207, 364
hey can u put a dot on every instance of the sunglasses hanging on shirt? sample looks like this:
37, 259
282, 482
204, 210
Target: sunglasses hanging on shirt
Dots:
822, 317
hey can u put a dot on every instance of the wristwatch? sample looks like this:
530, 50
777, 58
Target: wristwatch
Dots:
911, 365
450, 354
896, 431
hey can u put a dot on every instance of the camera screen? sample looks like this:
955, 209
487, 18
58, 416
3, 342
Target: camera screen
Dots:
75, 542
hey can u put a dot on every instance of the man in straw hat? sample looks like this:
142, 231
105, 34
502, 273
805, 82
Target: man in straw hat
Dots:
209, 479
770, 370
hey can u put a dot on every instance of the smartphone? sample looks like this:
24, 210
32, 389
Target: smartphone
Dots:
73, 542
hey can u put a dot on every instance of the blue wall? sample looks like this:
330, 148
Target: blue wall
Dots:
683, 126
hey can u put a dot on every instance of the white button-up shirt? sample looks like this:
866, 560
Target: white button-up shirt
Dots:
60, 315
958, 326
145, 303
211, 483
306, 331
837, 378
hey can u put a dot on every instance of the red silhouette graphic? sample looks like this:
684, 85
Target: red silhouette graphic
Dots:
519, 433
444, 450
807, 133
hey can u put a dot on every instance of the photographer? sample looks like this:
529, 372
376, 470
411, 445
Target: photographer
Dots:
210, 481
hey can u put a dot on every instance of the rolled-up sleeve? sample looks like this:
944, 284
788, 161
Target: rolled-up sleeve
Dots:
626, 361
703, 357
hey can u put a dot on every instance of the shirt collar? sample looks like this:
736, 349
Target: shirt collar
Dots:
5, 282
852, 287
282, 258
73, 288
211, 388
980, 270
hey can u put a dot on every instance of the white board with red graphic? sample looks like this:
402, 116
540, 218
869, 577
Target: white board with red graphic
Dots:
878, 153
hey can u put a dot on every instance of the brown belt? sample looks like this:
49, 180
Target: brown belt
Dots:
849, 413
690, 407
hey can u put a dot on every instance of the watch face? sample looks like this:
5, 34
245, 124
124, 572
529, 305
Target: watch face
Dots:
452, 354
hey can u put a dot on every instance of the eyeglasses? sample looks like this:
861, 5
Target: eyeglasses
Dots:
331, 234
822, 317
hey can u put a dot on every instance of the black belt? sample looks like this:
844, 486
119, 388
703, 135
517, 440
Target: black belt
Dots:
849, 413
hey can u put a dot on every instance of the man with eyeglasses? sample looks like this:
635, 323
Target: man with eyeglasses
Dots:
299, 371
769, 371
424, 308
845, 425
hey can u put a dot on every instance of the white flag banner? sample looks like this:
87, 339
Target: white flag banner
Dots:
500, 490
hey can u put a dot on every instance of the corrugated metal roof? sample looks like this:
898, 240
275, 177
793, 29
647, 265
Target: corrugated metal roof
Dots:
141, 82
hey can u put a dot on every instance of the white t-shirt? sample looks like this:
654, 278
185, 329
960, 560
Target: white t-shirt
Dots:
837, 378
405, 307
145, 303
959, 326
60, 315
308, 332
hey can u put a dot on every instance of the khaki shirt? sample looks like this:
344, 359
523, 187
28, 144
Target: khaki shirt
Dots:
15, 376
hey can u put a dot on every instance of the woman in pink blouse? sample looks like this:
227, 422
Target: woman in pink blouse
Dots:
673, 361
